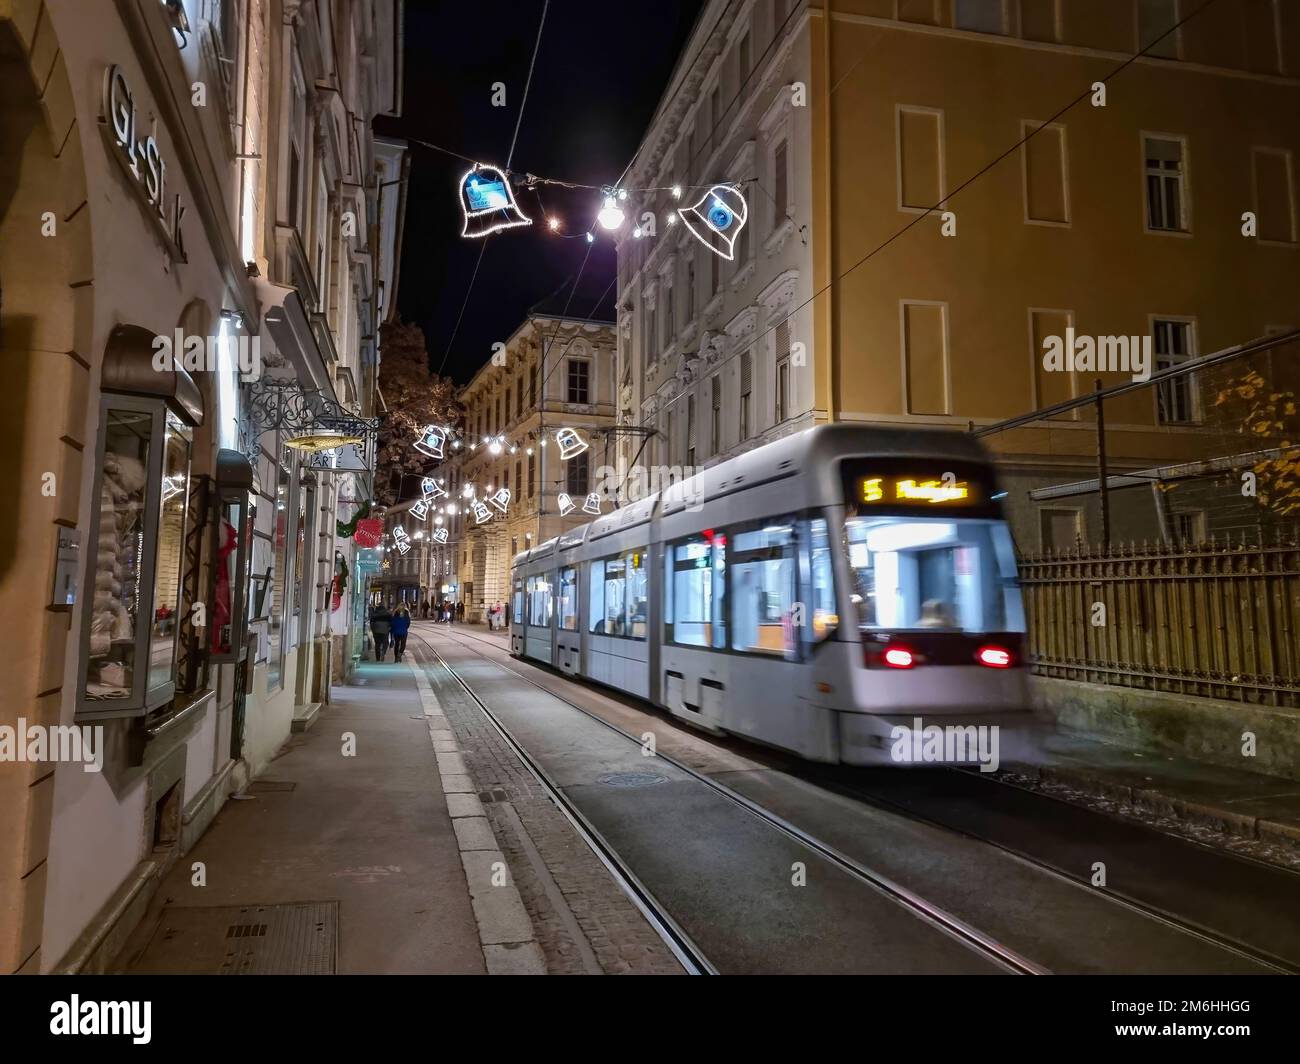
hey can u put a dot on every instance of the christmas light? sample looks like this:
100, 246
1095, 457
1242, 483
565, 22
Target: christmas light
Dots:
431, 441
592, 505
467, 491
717, 219
481, 513
591, 239
436, 521
420, 510
622, 193
571, 444
637, 232
495, 447
529, 452
488, 202
501, 500
566, 504
677, 191
440, 535
554, 223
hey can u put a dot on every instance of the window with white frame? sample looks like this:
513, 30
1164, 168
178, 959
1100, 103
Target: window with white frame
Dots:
578, 384
1166, 190
322, 244
297, 136
1176, 396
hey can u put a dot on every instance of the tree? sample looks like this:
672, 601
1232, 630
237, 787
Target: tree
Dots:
414, 398
1266, 414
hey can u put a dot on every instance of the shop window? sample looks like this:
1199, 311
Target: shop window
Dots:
763, 589
279, 545
135, 566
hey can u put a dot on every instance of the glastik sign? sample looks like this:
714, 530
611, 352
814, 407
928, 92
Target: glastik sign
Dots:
141, 162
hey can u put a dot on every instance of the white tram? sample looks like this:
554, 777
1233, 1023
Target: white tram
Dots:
809, 594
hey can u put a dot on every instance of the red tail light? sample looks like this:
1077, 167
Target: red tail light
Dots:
994, 657
898, 658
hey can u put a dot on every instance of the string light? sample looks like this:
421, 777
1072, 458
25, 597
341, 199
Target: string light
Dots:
611, 215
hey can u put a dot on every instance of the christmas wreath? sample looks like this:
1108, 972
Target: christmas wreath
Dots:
347, 531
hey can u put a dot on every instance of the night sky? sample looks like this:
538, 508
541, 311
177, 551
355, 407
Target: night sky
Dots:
600, 73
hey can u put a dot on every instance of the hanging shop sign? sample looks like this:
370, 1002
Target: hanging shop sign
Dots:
141, 162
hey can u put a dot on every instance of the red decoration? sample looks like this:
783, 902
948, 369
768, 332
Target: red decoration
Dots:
370, 532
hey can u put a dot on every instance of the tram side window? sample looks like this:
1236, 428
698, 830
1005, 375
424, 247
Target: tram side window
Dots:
763, 589
596, 597
638, 606
569, 599
609, 596
519, 602
821, 575
696, 576
539, 602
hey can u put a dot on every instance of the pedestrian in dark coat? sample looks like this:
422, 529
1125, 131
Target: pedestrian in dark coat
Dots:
401, 624
381, 622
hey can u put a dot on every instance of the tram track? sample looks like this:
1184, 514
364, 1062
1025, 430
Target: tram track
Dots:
997, 954
1260, 958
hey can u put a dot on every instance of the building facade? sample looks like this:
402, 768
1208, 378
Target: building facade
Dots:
554, 373
843, 124
196, 179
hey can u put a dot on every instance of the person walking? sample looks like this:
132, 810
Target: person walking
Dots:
460, 612
401, 624
381, 622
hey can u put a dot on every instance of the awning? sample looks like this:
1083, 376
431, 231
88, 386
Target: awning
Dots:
289, 325
129, 369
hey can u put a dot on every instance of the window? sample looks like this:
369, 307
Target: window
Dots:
715, 108
690, 290
1175, 397
1166, 192
532, 386
651, 343
780, 183
1040, 20
782, 390
1188, 528
932, 573
715, 274
132, 629
576, 476
715, 425
532, 475
1155, 19
275, 626
617, 596
577, 389
299, 548
670, 320
762, 566
519, 602
982, 16
746, 387
741, 249
519, 478
297, 130
569, 599
694, 608
825, 614
690, 430
539, 602
743, 58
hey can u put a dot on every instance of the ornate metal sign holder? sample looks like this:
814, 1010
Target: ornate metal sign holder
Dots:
283, 406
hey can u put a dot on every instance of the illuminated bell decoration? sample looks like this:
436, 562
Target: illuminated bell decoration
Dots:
488, 202
571, 444
717, 219
440, 535
420, 510
431, 442
566, 504
432, 489
592, 505
399, 534
403, 547
481, 513
501, 500
321, 440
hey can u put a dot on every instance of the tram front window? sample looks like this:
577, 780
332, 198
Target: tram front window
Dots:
943, 575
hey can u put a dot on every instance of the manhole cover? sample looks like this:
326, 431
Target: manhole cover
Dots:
632, 779
293, 939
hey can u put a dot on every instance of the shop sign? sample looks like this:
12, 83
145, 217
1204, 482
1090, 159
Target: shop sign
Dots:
141, 161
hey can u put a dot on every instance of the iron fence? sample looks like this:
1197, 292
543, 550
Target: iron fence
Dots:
1219, 619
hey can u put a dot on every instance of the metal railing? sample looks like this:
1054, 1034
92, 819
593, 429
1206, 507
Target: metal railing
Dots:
1216, 619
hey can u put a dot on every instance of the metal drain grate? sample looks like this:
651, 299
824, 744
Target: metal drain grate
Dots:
631, 779
292, 939
496, 794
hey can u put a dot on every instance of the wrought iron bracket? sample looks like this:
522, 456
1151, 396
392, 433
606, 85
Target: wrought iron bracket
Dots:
283, 406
